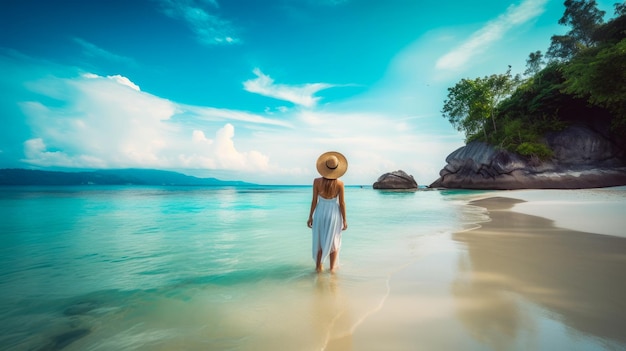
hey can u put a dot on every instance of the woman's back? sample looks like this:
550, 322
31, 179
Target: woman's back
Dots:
329, 188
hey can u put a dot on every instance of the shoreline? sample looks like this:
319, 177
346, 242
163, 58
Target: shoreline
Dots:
514, 282
593, 210
577, 275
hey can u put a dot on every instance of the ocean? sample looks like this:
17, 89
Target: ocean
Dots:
231, 268
128, 267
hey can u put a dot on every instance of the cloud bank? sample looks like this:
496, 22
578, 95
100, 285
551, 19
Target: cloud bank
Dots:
99, 122
107, 122
302, 95
77, 120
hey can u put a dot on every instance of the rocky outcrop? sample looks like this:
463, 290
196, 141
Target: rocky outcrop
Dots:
395, 180
582, 158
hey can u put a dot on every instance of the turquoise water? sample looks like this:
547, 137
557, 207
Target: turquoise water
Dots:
104, 268
230, 268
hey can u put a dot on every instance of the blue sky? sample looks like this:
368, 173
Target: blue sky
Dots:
250, 90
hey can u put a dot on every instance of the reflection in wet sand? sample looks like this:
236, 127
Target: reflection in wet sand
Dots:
578, 278
331, 315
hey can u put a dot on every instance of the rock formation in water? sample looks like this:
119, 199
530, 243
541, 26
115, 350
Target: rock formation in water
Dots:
583, 158
395, 180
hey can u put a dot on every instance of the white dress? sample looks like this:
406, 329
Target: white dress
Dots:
327, 224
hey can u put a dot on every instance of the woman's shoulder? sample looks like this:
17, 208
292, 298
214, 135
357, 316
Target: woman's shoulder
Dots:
317, 183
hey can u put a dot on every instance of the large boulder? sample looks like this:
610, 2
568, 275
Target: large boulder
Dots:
579, 146
582, 158
395, 180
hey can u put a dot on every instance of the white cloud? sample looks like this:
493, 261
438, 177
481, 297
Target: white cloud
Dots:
37, 153
92, 50
372, 141
116, 78
210, 28
217, 114
199, 137
493, 31
124, 81
228, 156
300, 95
103, 124
99, 122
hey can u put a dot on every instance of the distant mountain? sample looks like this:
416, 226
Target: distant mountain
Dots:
106, 177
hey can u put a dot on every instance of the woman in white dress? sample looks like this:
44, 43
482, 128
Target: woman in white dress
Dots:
328, 209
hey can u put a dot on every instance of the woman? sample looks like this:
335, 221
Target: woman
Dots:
328, 209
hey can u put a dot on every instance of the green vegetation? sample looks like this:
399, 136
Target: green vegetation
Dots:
585, 75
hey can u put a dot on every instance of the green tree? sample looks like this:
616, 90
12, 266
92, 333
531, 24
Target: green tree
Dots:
583, 17
465, 107
471, 103
620, 9
533, 109
534, 63
499, 87
601, 78
584, 81
613, 31
598, 75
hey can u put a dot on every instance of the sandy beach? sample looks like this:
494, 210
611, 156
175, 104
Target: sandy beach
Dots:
517, 282
576, 276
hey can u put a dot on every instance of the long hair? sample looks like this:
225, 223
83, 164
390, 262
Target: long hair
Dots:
329, 186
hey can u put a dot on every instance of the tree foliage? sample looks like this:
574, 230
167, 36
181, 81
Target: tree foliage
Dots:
600, 77
472, 103
583, 82
583, 17
534, 63
620, 9
465, 106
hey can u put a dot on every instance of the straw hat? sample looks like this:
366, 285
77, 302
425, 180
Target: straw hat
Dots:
332, 165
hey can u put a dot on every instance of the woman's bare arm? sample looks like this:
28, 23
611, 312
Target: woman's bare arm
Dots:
342, 205
309, 223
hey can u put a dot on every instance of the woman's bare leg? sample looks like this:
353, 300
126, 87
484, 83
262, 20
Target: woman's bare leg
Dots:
333, 260
318, 263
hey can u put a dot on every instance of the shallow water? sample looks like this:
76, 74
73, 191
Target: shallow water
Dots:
159, 267
195, 268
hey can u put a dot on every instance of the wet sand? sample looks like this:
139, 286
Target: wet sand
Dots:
515, 283
579, 277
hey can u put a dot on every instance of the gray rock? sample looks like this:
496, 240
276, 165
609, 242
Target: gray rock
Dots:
395, 180
582, 146
582, 159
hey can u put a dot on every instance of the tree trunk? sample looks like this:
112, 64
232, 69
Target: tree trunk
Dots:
485, 132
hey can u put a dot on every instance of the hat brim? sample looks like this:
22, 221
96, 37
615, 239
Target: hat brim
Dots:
332, 173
